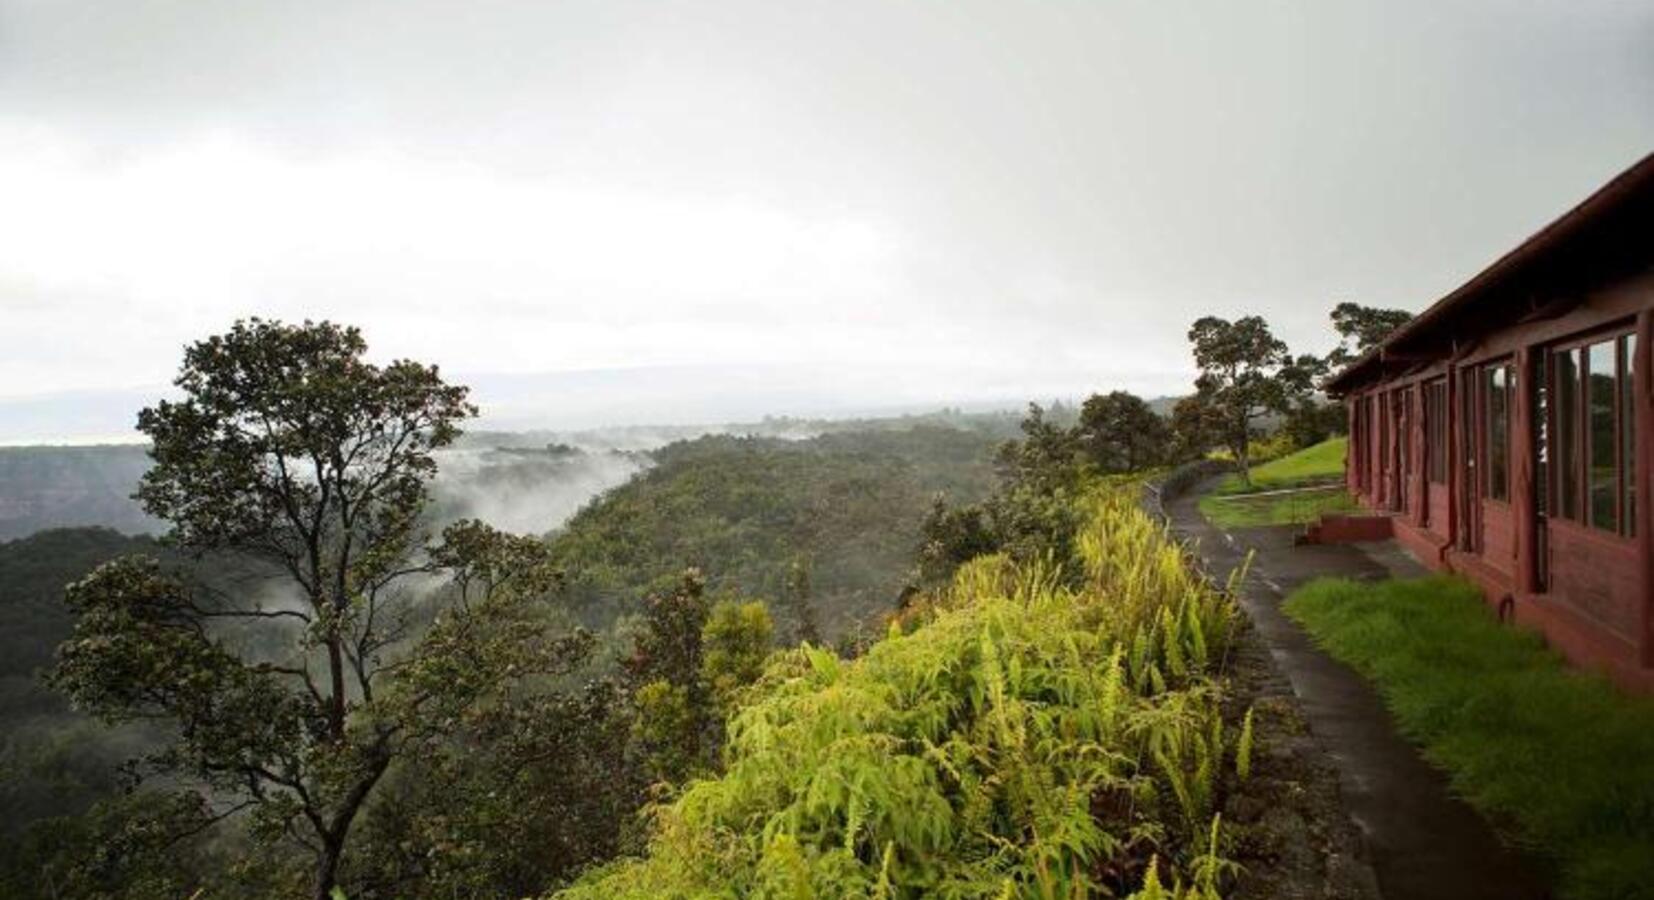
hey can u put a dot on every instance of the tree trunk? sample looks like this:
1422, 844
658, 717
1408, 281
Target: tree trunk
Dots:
336, 673
327, 866
333, 838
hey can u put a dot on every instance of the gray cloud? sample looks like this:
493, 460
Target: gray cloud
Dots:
972, 200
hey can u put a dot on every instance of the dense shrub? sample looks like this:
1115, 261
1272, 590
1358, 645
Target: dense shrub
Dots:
1014, 735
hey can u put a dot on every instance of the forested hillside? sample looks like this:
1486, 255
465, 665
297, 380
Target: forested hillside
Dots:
338, 681
837, 516
1026, 731
52, 761
828, 523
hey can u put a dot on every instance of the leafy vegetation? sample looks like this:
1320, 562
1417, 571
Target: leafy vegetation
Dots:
1317, 464
831, 522
1042, 477
1563, 758
52, 761
1235, 504
320, 697
1120, 433
1361, 328
1246, 373
288, 706
1013, 736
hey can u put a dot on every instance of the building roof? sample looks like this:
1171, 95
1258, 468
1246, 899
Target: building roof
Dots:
1609, 231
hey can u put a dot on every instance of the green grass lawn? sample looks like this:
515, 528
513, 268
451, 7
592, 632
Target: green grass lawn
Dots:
1561, 758
1244, 511
1320, 464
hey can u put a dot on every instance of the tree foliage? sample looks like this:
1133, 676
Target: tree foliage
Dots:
290, 449
1119, 432
1025, 738
736, 639
1361, 328
744, 511
1245, 373
799, 602
1032, 515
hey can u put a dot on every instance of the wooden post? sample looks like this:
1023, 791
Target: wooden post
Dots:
1352, 450
1417, 485
1391, 475
1520, 450
1643, 402
1450, 418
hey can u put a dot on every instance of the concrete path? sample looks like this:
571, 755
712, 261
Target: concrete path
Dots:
1423, 843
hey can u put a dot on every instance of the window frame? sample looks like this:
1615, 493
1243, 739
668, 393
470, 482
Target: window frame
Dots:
1497, 492
1437, 432
1621, 338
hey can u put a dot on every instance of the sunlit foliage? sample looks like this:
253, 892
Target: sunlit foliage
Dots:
1016, 736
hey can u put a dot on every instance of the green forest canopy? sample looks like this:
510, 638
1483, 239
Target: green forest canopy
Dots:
847, 505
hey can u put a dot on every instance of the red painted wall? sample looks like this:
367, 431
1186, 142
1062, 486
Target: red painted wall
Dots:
1597, 605
1596, 573
1440, 502
1498, 536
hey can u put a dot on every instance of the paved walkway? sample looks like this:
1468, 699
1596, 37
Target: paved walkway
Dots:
1422, 842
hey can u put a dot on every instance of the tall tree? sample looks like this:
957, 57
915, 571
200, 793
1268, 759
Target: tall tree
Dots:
1194, 428
290, 448
1361, 328
1045, 456
735, 642
673, 702
800, 603
1246, 373
1120, 433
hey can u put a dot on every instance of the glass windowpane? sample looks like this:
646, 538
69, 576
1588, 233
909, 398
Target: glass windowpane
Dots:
1602, 373
1497, 410
1567, 433
1628, 431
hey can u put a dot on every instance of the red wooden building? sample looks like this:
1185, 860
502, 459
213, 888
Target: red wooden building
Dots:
1508, 430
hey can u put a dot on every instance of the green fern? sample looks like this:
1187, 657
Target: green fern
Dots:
1243, 748
968, 753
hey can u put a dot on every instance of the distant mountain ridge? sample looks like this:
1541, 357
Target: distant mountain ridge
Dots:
61, 487
67, 486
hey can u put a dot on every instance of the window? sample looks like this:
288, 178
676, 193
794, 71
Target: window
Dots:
1358, 447
1404, 429
1375, 453
1541, 441
1466, 435
1595, 427
1568, 368
1601, 371
1628, 432
1435, 429
1496, 385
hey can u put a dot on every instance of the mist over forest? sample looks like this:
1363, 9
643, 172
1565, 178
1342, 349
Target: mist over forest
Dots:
527, 482
600, 450
754, 506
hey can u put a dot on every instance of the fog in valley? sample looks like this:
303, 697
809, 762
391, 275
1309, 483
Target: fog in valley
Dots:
602, 450
522, 482
527, 491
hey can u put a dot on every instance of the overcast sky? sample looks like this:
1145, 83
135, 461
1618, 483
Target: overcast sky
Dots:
667, 212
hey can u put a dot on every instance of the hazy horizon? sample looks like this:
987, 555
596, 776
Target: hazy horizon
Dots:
608, 213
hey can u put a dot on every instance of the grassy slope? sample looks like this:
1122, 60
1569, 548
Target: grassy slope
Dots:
1021, 739
1560, 754
1321, 463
